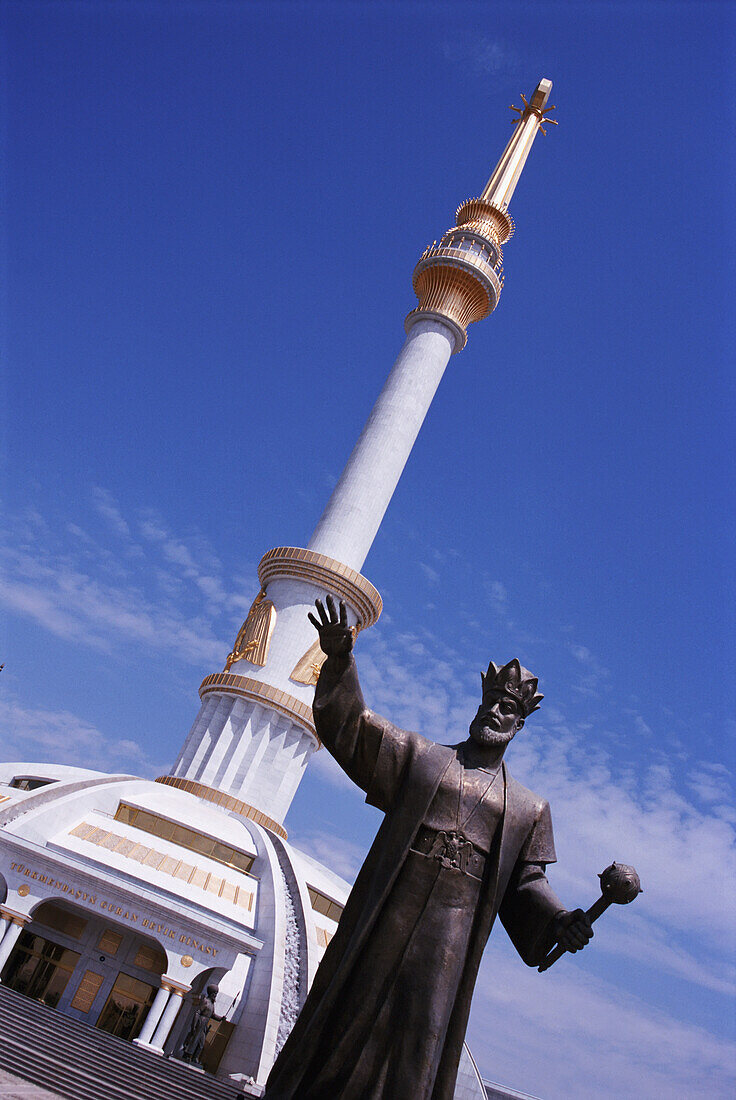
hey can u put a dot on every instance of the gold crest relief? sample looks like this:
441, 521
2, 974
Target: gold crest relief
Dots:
307, 669
254, 636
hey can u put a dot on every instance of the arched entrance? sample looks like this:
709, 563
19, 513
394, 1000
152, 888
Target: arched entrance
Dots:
89, 968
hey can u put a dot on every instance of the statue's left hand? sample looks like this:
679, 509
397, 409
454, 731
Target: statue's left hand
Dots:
572, 930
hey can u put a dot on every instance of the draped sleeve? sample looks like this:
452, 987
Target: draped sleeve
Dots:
530, 903
369, 749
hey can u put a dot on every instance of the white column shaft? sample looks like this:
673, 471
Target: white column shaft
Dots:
154, 1015
8, 942
354, 512
167, 1020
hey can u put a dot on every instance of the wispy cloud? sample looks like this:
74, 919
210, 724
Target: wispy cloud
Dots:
594, 676
327, 768
160, 591
76, 607
589, 1039
485, 56
108, 509
46, 736
341, 856
430, 574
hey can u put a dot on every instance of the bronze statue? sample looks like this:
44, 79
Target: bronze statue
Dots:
461, 841
194, 1042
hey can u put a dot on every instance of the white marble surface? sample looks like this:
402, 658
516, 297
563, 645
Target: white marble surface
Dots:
246, 750
354, 512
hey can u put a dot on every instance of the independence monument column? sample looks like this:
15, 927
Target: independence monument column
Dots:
254, 734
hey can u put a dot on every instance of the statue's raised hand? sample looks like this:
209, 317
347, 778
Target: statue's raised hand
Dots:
335, 636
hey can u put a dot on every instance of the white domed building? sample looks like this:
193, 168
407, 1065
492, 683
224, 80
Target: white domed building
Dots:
123, 898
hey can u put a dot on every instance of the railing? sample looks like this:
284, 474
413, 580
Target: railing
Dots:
447, 252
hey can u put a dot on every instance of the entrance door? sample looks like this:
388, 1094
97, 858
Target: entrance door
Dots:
39, 968
126, 1007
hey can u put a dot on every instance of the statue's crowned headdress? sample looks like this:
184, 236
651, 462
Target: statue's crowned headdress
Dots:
515, 681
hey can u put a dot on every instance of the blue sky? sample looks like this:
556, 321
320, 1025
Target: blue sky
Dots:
212, 214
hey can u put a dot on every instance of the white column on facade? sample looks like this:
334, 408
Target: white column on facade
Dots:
239, 719
168, 1018
155, 1013
4, 926
354, 511
257, 784
291, 751
9, 941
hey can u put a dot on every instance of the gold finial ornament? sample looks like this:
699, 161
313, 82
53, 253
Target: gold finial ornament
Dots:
544, 111
459, 280
254, 636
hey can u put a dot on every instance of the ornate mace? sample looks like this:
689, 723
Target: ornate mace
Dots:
619, 884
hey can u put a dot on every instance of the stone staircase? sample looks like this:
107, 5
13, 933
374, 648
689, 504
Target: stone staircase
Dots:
81, 1062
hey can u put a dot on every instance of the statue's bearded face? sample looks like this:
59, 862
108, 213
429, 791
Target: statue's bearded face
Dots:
497, 721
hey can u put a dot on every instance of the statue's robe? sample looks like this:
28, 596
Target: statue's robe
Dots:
366, 998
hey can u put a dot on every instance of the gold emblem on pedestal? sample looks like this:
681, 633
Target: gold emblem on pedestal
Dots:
254, 636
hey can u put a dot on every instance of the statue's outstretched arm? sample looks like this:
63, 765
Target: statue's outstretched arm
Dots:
372, 751
343, 724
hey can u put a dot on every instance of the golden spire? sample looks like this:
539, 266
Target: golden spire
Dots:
459, 280
501, 185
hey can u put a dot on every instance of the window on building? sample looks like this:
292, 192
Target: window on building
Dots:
322, 904
475, 246
184, 837
87, 990
324, 937
109, 942
60, 919
29, 782
126, 1007
39, 968
150, 958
